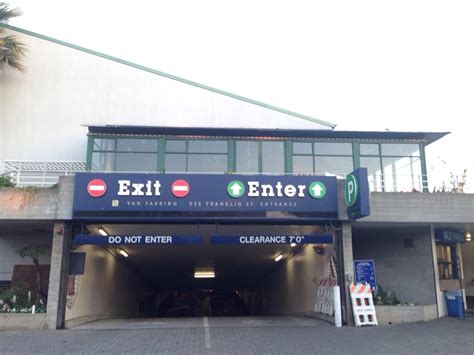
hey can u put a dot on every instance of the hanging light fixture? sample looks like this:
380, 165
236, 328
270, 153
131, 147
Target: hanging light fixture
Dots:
468, 236
123, 253
204, 273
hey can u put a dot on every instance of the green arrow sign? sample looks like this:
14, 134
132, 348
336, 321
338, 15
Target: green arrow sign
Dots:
235, 189
317, 190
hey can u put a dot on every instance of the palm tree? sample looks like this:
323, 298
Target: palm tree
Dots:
12, 49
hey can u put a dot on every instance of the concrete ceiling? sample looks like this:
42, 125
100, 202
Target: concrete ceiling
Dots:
235, 266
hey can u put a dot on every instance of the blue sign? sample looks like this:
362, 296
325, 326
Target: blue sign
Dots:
128, 195
364, 271
82, 239
271, 239
356, 194
448, 236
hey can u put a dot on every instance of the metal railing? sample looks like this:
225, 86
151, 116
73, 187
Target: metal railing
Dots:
398, 183
419, 183
40, 173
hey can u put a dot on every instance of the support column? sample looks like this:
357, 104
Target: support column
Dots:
440, 303
56, 308
348, 265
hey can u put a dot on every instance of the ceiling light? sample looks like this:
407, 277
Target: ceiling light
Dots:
293, 245
468, 236
204, 274
123, 252
278, 257
103, 231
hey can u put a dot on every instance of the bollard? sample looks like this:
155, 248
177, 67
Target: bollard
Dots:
337, 307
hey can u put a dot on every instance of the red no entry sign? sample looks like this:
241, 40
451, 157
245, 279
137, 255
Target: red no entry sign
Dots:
96, 188
180, 188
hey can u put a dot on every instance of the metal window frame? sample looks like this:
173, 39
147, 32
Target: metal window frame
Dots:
232, 151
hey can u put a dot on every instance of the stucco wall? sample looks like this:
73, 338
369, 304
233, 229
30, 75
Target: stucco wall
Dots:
291, 288
107, 288
62, 89
407, 271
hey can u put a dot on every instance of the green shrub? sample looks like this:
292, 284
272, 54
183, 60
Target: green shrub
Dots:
6, 181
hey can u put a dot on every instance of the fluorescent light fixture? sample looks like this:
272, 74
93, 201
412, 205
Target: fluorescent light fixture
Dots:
278, 257
204, 274
468, 236
102, 231
123, 253
293, 245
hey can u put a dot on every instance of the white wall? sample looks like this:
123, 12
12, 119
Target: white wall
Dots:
8, 257
43, 109
107, 288
291, 289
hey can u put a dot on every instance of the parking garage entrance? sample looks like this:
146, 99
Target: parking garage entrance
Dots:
162, 245
188, 270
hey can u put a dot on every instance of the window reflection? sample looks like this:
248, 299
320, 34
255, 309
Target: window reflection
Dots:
333, 165
273, 157
246, 159
397, 169
137, 145
303, 164
143, 162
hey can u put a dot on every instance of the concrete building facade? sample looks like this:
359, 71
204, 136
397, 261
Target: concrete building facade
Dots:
77, 111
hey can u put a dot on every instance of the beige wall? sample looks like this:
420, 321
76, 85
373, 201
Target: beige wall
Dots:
291, 288
106, 289
467, 252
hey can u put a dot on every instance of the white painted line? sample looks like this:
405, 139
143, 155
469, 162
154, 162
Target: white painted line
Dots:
207, 333
96, 188
180, 188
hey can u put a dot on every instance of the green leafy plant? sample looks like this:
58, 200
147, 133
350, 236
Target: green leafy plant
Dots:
34, 252
6, 181
12, 50
19, 299
383, 298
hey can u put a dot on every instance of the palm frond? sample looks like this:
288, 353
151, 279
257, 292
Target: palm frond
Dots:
7, 13
12, 51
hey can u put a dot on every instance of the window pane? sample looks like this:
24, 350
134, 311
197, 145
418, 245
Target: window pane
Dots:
104, 144
302, 148
273, 160
302, 164
374, 171
176, 146
405, 150
137, 145
102, 162
332, 148
136, 162
333, 165
207, 146
246, 157
402, 174
372, 165
369, 149
175, 163
207, 163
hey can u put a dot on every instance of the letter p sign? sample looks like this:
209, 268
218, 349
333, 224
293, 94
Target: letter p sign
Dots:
351, 191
